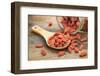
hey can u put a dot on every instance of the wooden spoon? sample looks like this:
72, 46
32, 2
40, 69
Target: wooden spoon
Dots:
46, 35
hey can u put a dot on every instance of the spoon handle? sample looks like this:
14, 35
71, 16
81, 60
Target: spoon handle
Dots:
41, 31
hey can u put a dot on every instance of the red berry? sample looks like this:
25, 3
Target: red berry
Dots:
76, 50
43, 52
39, 45
83, 53
61, 53
70, 49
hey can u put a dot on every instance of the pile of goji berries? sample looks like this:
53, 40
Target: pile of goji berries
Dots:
58, 40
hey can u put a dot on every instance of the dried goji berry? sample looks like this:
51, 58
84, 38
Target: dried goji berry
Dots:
43, 52
84, 39
61, 53
70, 49
83, 53
39, 45
76, 50
81, 47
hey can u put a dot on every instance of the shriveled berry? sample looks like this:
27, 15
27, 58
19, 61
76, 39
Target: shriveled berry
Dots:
39, 45
61, 53
70, 49
43, 52
83, 53
76, 50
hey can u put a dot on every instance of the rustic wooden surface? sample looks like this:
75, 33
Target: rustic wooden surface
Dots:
33, 39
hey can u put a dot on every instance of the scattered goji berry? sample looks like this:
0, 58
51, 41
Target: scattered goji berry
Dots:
83, 53
84, 39
76, 50
39, 45
61, 53
70, 49
81, 47
43, 52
